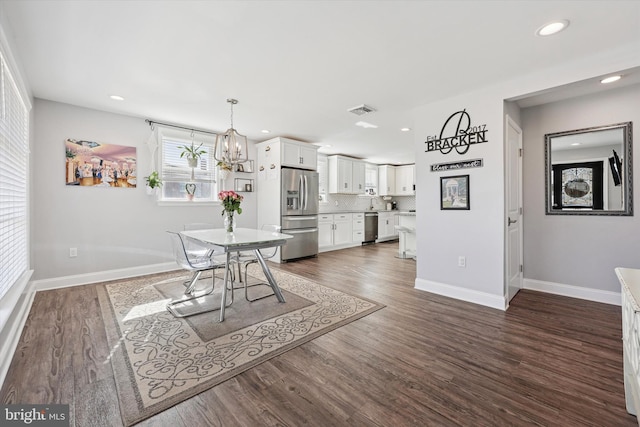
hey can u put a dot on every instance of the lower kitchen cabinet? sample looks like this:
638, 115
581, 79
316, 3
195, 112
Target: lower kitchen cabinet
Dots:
387, 222
339, 231
358, 228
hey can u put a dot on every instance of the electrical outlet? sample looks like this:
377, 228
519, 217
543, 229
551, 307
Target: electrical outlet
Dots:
73, 252
462, 261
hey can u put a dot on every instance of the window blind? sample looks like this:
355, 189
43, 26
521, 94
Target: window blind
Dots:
14, 172
175, 170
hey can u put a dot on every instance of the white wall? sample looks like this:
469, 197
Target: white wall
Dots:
478, 234
112, 228
570, 250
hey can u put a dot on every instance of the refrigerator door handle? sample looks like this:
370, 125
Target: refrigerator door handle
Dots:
301, 192
306, 192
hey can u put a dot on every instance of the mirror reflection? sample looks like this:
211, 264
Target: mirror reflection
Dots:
588, 171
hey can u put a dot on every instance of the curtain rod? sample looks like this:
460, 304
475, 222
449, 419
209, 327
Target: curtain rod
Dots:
153, 122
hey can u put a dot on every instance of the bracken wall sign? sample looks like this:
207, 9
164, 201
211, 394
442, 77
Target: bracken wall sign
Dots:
457, 133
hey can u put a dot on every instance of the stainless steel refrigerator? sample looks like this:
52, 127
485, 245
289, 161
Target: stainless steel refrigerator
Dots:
299, 209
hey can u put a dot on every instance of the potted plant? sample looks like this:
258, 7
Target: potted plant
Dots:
225, 169
153, 182
192, 153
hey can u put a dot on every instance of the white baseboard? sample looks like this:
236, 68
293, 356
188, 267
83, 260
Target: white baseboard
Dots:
579, 292
17, 312
102, 276
489, 300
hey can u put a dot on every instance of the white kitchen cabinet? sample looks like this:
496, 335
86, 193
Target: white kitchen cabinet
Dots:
323, 178
325, 231
371, 179
277, 152
386, 226
298, 154
340, 230
358, 176
357, 226
386, 180
346, 175
404, 185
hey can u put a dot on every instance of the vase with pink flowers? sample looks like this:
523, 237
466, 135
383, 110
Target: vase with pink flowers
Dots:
230, 205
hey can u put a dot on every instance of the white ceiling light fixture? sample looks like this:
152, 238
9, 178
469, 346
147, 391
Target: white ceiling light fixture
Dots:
405, 129
552, 28
611, 79
116, 97
231, 147
366, 125
265, 131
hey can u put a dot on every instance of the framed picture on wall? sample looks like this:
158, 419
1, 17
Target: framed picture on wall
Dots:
96, 164
454, 192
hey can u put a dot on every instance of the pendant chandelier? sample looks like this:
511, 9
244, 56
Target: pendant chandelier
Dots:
231, 148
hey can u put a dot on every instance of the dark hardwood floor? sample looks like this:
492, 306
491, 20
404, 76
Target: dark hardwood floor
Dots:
423, 360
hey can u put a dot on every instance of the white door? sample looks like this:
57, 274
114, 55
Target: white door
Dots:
514, 208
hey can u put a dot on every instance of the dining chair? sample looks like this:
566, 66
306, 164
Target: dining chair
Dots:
244, 259
202, 251
195, 257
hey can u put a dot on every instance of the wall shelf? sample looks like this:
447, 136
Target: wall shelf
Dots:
243, 185
246, 167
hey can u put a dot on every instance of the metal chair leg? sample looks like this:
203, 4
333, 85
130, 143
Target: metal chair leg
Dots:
247, 286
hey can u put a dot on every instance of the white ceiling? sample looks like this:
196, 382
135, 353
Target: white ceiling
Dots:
296, 67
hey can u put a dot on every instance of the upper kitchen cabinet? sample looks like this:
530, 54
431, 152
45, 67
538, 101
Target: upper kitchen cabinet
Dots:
278, 152
405, 182
386, 180
371, 179
346, 175
323, 175
299, 154
396, 180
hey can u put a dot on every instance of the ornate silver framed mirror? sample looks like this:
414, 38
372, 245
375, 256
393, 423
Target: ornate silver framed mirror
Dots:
589, 171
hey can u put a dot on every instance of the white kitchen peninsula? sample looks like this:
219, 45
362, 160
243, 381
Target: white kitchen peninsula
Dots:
407, 233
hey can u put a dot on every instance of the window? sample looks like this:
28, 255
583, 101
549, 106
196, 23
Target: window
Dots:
14, 171
175, 171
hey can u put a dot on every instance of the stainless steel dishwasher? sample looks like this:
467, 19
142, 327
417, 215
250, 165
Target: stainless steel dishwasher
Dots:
370, 227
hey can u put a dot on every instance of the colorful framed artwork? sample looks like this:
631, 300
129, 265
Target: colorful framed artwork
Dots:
94, 164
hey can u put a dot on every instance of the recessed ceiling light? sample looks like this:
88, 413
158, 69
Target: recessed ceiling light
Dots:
611, 79
552, 27
265, 131
405, 129
366, 125
116, 97
575, 143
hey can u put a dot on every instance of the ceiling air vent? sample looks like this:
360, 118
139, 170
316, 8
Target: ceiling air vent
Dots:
361, 109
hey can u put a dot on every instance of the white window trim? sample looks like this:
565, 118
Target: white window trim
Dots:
184, 136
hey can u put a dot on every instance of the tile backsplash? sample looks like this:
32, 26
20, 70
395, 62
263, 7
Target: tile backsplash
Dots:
346, 202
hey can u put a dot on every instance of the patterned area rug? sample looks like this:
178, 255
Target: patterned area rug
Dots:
159, 360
